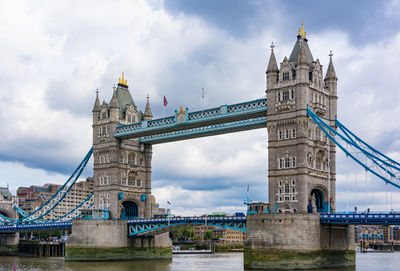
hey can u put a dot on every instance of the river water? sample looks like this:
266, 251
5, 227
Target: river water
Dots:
219, 261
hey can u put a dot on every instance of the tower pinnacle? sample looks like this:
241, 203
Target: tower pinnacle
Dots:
330, 73
96, 107
302, 33
114, 100
272, 65
122, 81
147, 112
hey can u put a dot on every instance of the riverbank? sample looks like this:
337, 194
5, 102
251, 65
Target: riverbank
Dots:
215, 247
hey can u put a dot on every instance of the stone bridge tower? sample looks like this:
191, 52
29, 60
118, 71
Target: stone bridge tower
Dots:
301, 169
122, 168
7, 203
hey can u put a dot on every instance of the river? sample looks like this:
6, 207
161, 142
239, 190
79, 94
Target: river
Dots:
219, 261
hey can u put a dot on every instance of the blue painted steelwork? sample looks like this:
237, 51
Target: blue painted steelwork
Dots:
74, 213
344, 128
23, 214
4, 219
222, 114
331, 133
50, 204
35, 226
209, 130
151, 226
354, 218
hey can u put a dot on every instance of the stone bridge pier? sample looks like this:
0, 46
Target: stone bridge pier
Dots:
297, 242
8, 241
107, 240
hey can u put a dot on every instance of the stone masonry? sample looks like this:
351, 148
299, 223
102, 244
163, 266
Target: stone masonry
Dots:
301, 158
122, 168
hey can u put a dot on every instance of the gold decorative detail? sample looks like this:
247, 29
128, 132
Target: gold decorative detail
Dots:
181, 110
302, 33
122, 80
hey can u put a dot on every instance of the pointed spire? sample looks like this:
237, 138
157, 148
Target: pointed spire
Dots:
114, 100
96, 107
147, 112
272, 65
330, 73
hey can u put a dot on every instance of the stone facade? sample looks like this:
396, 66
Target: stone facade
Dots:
107, 240
8, 240
290, 241
122, 168
301, 158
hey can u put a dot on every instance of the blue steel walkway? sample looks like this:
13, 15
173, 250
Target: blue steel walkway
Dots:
360, 218
186, 125
35, 227
156, 226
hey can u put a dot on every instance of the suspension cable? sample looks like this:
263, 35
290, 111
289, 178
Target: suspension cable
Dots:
386, 193
366, 188
355, 191
347, 192
391, 199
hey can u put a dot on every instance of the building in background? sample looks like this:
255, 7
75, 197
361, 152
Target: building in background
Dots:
223, 235
156, 210
370, 234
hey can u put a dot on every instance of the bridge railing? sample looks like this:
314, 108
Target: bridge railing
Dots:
368, 218
204, 114
147, 226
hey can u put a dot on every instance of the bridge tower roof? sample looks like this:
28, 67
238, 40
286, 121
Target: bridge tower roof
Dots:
124, 97
301, 42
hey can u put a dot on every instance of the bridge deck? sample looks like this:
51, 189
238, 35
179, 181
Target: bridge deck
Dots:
223, 119
359, 219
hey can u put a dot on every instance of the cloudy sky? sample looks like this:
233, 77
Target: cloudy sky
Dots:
54, 54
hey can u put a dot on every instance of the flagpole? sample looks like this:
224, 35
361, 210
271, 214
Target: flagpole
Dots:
163, 108
202, 100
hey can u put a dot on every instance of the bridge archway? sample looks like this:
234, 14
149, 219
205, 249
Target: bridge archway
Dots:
6, 213
319, 196
129, 210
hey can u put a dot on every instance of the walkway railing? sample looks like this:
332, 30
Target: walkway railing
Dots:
153, 226
369, 218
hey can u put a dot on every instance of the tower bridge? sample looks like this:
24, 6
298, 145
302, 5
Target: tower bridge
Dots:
300, 116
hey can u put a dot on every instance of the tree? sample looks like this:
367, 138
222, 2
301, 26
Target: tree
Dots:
208, 235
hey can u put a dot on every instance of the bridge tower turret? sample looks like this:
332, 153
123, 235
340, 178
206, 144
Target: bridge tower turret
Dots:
301, 166
272, 70
122, 168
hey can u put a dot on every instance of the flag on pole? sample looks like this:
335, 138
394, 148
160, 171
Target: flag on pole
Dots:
165, 101
202, 93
